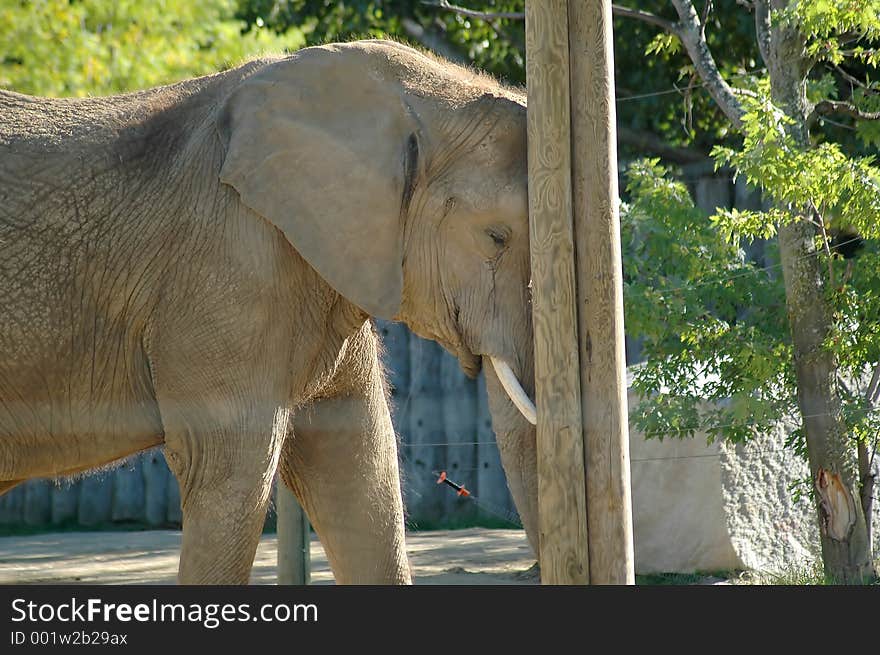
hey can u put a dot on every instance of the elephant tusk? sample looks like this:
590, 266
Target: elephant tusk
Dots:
515, 392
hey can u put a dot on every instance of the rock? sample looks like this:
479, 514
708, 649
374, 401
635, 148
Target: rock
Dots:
721, 507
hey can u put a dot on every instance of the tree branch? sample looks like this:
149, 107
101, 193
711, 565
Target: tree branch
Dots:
689, 29
691, 35
873, 388
819, 221
472, 13
859, 53
638, 14
762, 28
707, 8
847, 108
854, 81
645, 17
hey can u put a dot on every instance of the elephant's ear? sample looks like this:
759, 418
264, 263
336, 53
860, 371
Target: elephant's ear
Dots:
327, 161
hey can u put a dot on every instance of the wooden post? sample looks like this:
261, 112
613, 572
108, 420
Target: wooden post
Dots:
600, 292
584, 508
562, 511
294, 542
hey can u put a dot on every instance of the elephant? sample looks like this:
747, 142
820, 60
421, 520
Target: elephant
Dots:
198, 267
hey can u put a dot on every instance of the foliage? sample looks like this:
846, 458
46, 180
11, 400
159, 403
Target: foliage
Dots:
680, 579
725, 333
722, 336
844, 37
821, 178
831, 25
807, 573
82, 47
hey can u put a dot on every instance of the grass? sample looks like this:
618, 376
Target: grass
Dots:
682, 579
800, 575
807, 574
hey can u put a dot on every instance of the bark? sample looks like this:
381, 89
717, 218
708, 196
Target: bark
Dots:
691, 32
762, 28
846, 551
866, 482
867, 476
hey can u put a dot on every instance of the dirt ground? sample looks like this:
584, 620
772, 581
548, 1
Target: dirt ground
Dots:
475, 556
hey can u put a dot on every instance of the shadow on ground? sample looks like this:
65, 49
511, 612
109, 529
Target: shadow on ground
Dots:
474, 556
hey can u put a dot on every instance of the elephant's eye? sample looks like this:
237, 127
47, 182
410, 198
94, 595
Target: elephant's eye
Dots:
499, 235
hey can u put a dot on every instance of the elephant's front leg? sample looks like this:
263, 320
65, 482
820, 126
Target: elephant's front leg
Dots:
341, 462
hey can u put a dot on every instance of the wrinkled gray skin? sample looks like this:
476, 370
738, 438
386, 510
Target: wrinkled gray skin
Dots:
196, 265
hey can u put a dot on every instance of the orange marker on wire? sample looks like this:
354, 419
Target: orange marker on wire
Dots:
488, 507
458, 487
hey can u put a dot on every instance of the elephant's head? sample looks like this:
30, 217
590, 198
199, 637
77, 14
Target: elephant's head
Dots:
402, 181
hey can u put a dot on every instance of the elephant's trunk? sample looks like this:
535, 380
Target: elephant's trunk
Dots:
517, 444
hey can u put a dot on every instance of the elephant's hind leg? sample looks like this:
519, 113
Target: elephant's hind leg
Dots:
223, 434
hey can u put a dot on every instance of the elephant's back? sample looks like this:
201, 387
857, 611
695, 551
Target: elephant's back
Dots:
33, 124
44, 126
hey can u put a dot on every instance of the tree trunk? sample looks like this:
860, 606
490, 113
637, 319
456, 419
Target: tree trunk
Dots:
846, 551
